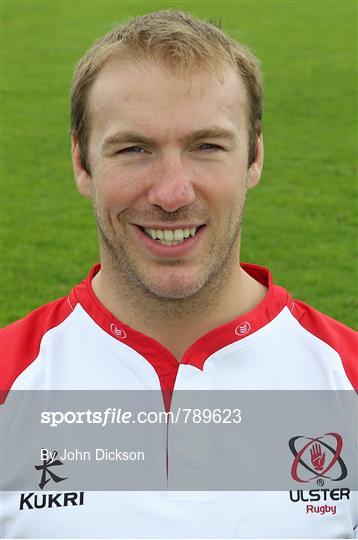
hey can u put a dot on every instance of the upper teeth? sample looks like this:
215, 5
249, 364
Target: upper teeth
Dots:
170, 236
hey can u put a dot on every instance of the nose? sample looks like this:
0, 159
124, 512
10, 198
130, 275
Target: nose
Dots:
171, 187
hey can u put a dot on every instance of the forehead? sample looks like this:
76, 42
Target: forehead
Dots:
156, 99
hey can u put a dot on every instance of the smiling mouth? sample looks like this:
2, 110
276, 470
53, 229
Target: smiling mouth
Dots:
169, 237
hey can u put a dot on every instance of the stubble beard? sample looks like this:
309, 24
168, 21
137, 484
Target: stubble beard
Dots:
134, 284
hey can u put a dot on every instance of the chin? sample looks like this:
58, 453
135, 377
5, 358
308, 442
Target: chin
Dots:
173, 294
176, 289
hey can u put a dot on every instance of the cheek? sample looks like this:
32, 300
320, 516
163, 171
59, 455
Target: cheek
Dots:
118, 187
225, 188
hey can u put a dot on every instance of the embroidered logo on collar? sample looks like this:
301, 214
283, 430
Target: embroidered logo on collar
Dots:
118, 332
243, 328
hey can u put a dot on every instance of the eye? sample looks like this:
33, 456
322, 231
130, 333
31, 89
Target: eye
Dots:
131, 150
209, 147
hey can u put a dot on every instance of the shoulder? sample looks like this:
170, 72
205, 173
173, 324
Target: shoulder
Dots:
21, 340
336, 335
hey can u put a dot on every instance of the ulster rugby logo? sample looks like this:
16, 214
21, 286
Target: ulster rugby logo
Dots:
317, 458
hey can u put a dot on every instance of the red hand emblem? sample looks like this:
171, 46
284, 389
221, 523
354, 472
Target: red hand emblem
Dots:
317, 457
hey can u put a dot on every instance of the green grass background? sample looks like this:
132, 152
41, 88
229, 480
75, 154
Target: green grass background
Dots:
300, 221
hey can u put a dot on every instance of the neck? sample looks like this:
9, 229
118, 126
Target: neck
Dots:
177, 323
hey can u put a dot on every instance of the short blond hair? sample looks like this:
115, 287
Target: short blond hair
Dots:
182, 42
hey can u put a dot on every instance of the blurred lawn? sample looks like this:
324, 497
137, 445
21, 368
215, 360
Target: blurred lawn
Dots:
300, 221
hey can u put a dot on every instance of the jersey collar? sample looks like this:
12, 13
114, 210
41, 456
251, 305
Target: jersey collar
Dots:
161, 358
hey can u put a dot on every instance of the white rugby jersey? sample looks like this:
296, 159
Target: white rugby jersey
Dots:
75, 343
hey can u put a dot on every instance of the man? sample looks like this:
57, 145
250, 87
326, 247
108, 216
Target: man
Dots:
166, 141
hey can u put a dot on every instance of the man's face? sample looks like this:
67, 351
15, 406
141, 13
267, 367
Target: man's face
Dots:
168, 176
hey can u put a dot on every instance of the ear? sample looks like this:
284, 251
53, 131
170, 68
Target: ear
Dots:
83, 179
255, 169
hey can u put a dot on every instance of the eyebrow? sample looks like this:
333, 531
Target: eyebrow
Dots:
206, 133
